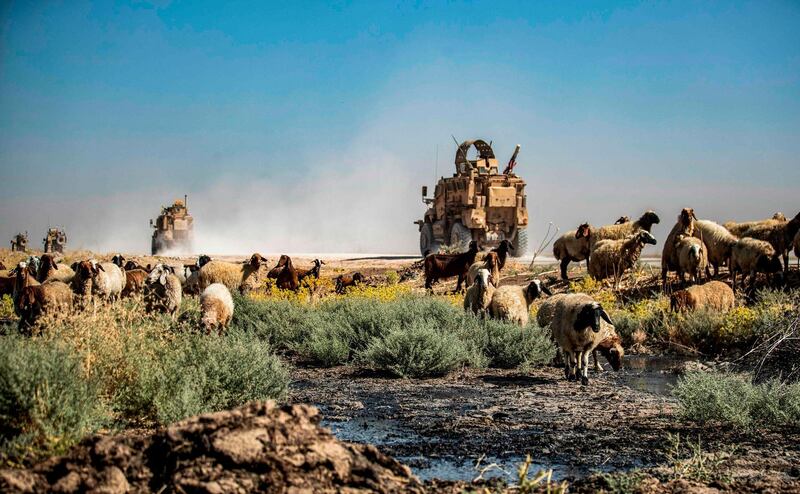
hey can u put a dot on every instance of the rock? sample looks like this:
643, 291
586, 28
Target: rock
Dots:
258, 447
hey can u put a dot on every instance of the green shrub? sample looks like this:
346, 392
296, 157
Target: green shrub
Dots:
281, 323
421, 350
508, 346
196, 374
46, 403
733, 400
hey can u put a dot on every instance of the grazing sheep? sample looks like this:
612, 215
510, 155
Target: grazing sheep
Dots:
573, 246
216, 307
479, 295
35, 301
738, 228
610, 347
714, 295
718, 240
669, 254
512, 303
163, 290
611, 258
49, 270
274, 272
346, 280
779, 234
313, 272
692, 258
438, 266
237, 277
491, 262
616, 232
134, 282
750, 256
576, 326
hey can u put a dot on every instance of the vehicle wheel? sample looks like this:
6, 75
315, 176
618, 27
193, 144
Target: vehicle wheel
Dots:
520, 243
460, 237
153, 247
426, 241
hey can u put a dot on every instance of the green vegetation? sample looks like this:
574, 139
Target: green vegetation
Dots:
734, 401
408, 336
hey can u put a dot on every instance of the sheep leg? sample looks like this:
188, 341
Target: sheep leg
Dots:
597, 366
460, 281
786, 262
569, 365
584, 368
564, 264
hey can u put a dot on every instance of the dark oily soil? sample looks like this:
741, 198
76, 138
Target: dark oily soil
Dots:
256, 448
503, 416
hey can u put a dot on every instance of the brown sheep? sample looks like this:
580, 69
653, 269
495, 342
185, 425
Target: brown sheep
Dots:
491, 263
288, 279
274, 272
51, 298
741, 227
23, 277
438, 266
49, 270
750, 256
346, 280
134, 282
669, 255
779, 234
714, 295
573, 246
312, 272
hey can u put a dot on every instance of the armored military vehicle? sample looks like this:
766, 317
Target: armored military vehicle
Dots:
55, 241
173, 229
476, 203
20, 242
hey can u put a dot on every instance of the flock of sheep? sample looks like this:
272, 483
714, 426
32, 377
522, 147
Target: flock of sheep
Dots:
579, 324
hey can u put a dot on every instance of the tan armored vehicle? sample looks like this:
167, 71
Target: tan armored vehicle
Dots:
476, 203
55, 241
173, 229
20, 242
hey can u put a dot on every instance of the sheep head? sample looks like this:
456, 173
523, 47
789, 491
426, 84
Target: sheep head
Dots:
504, 247
118, 260
589, 317
584, 231
159, 274
644, 237
648, 219
473, 246
203, 260
611, 349
358, 278
769, 263
535, 289
256, 260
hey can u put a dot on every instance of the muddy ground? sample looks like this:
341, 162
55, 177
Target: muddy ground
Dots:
452, 428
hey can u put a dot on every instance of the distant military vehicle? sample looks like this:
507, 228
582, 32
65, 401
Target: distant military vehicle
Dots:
173, 229
476, 203
20, 242
55, 241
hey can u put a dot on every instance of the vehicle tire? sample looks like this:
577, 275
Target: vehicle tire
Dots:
460, 237
520, 243
153, 247
426, 241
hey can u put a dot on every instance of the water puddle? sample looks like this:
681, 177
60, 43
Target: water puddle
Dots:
651, 373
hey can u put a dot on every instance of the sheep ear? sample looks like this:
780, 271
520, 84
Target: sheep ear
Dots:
545, 289
605, 316
163, 278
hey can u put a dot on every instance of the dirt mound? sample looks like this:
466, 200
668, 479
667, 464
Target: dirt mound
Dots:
259, 447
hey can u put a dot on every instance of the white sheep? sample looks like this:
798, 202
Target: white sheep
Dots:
216, 307
572, 246
163, 290
718, 240
610, 347
611, 258
750, 256
512, 303
479, 294
237, 277
577, 327
692, 258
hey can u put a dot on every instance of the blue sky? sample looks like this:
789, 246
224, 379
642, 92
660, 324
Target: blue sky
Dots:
274, 115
